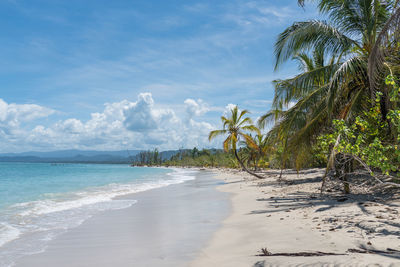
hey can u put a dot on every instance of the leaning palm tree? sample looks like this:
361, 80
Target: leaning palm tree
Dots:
236, 127
248, 154
261, 147
364, 33
361, 37
297, 125
254, 151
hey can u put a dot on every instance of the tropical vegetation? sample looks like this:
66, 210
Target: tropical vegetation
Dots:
235, 128
185, 158
341, 87
341, 111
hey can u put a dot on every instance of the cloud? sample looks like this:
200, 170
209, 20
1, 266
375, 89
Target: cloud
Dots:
228, 109
121, 125
195, 108
12, 115
22, 112
139, 116
71, 126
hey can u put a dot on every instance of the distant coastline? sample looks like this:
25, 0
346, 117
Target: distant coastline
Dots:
77, 156
141, 158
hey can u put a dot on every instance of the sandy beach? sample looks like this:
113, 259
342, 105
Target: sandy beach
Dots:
290, 218
244, 133
225, 217
166, 227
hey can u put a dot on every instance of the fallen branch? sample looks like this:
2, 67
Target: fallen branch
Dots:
373, 251
266, 253
367, 168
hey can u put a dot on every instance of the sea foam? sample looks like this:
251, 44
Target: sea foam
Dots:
29, 226
8, 233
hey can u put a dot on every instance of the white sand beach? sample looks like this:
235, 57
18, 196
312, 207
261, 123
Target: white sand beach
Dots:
194, 224
295, 218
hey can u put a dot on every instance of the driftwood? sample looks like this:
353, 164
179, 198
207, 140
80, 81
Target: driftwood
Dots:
266, 253
373, 251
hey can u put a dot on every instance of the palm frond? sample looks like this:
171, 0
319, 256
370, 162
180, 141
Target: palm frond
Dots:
313, 34
249, 141
242, 113
293, 89
388, 36
251, 128
247, 120
215, 133
305, 62
353, 69
227, 143
270, 117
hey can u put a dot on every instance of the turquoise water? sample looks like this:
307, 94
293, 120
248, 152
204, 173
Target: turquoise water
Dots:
38, 201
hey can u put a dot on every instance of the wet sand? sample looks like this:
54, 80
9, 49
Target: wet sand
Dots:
166, 227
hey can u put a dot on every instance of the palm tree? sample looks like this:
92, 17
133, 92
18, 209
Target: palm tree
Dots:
359, 36
236, 127
258, 149
296, 126
248, 154
363, 33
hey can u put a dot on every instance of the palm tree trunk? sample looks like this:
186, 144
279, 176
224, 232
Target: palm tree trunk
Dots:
244, 167
331, 162
280, 175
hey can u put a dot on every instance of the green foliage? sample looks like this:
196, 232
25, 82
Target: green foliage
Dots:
342, 61
147, 158
370, 138
236, 127
203, 158
186, 158
320, 151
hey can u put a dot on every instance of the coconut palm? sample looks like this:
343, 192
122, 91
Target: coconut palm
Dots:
296, 126
248, 154
236, 127
256, 150
358, 36
357, 30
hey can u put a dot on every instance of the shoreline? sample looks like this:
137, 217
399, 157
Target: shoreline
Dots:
295, 218
61, 198
231, 216
166, 227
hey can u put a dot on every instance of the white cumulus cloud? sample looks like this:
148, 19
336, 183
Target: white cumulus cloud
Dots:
121, 125
12, 115
195, 108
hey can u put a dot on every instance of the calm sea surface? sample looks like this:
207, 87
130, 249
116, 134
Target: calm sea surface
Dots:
38, 201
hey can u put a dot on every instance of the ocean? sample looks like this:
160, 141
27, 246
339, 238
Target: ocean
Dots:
39, 201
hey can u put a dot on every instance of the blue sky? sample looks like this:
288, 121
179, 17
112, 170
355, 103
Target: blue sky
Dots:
134, 74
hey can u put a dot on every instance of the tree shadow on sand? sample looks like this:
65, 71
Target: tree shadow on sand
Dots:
377, 221
302, 199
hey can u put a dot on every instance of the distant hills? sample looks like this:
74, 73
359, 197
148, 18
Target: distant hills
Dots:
83, 156
72, 156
